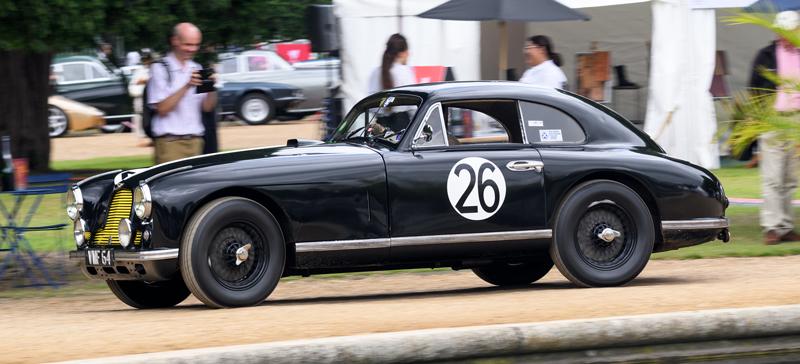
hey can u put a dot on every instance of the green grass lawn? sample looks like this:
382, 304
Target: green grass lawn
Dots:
737, 181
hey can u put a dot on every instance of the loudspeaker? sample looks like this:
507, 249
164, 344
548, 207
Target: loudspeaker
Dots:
322, 28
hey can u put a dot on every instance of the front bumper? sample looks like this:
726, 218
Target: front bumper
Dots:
148, 265
684, 233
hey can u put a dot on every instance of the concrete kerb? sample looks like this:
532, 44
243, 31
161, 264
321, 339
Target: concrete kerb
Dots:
499, 340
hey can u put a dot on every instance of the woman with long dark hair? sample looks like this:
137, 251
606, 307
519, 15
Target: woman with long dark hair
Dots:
393, 71
544, 62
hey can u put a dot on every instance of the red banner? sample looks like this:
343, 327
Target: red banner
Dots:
293, 52
426, 74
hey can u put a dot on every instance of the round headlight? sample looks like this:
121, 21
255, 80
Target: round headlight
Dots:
79, 232
142, 202
74, 203
124, 231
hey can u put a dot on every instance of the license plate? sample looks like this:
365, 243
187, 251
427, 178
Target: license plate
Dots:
101, 257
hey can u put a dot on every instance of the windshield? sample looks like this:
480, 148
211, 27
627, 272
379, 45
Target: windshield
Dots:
383, 119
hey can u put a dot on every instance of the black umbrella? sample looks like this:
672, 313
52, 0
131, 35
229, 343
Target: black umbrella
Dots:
504, 10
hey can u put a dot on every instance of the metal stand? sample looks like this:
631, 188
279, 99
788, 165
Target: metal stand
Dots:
20, 251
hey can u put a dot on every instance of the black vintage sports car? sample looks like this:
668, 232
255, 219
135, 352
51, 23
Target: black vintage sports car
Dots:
502, 178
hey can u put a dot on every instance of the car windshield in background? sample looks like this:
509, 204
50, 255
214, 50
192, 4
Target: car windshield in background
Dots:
384, 119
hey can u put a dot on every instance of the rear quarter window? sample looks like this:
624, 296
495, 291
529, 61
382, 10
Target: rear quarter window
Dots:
548, 125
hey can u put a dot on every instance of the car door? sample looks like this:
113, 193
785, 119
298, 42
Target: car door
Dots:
475, 195
93, 85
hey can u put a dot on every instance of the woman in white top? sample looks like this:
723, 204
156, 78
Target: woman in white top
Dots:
393, 71
544, 63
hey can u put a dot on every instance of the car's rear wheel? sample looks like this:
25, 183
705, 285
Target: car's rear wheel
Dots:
232, 253
140, 294
509, 274
603, 234
58, 122
256, 109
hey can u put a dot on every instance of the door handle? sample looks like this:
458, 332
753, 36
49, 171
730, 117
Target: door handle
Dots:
525, 166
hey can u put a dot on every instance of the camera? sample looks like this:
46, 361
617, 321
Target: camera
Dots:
208, 83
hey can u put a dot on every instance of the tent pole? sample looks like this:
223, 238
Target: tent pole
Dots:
399, 17
503, 49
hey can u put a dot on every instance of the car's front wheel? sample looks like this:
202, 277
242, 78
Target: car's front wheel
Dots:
232, 253
603, 234
58, 122
140, 294
256, 109
509, 274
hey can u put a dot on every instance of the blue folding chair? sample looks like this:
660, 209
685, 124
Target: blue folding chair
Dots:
14, 242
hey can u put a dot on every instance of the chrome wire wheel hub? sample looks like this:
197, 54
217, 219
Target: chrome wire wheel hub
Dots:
255, 109
604, 236
57, 121
236, 256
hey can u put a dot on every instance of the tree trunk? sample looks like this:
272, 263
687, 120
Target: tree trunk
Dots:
23, 106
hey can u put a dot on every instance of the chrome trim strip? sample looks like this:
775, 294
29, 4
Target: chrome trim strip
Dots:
321, 246
80, 183
132, 256
171, 171
719, 223
472, 238
125, 116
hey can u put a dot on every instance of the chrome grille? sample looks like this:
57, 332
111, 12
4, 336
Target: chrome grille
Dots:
121, 204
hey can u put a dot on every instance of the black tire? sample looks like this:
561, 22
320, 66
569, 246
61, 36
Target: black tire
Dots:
207, 255
256, 109
139, 294
511, 274
588, 209
57, 121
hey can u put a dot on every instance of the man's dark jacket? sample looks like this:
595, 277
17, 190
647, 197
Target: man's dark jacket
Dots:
766, 59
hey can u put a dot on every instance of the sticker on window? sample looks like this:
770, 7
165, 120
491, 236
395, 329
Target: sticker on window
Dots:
535, 122
553, 135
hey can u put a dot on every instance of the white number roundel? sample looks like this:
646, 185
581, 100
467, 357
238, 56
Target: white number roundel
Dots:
476, 188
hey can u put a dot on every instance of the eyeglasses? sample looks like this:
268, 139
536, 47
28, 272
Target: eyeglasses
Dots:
525, 48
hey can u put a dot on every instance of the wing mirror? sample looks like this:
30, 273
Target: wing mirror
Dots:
427, 134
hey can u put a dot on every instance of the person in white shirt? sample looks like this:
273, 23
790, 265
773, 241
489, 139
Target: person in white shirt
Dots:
136, 91
393, 71
178, 124
545, 63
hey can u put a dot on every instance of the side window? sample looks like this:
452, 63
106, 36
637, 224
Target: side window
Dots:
257, 63
97, 72
276, 62
74, 72
431, 133
548, 125
228, 65
473, 127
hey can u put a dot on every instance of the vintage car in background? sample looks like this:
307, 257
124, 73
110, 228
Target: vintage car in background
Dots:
258, 102
88, 80
313, 79
558, 179
68, 115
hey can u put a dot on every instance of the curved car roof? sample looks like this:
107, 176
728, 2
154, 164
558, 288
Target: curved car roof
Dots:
81, 58
603, 126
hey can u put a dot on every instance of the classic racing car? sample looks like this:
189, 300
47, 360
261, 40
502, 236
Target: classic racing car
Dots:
503, 178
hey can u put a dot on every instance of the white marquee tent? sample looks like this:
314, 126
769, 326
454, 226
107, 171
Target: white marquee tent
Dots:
365, 26
680, 112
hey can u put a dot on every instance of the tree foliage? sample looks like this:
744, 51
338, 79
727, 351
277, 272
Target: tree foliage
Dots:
42, 25
32, 30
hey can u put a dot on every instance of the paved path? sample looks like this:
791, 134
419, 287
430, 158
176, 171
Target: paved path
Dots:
51, 329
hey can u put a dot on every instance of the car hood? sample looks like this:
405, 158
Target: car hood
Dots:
132, 177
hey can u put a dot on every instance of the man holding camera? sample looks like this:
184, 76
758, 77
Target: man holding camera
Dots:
174, 95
